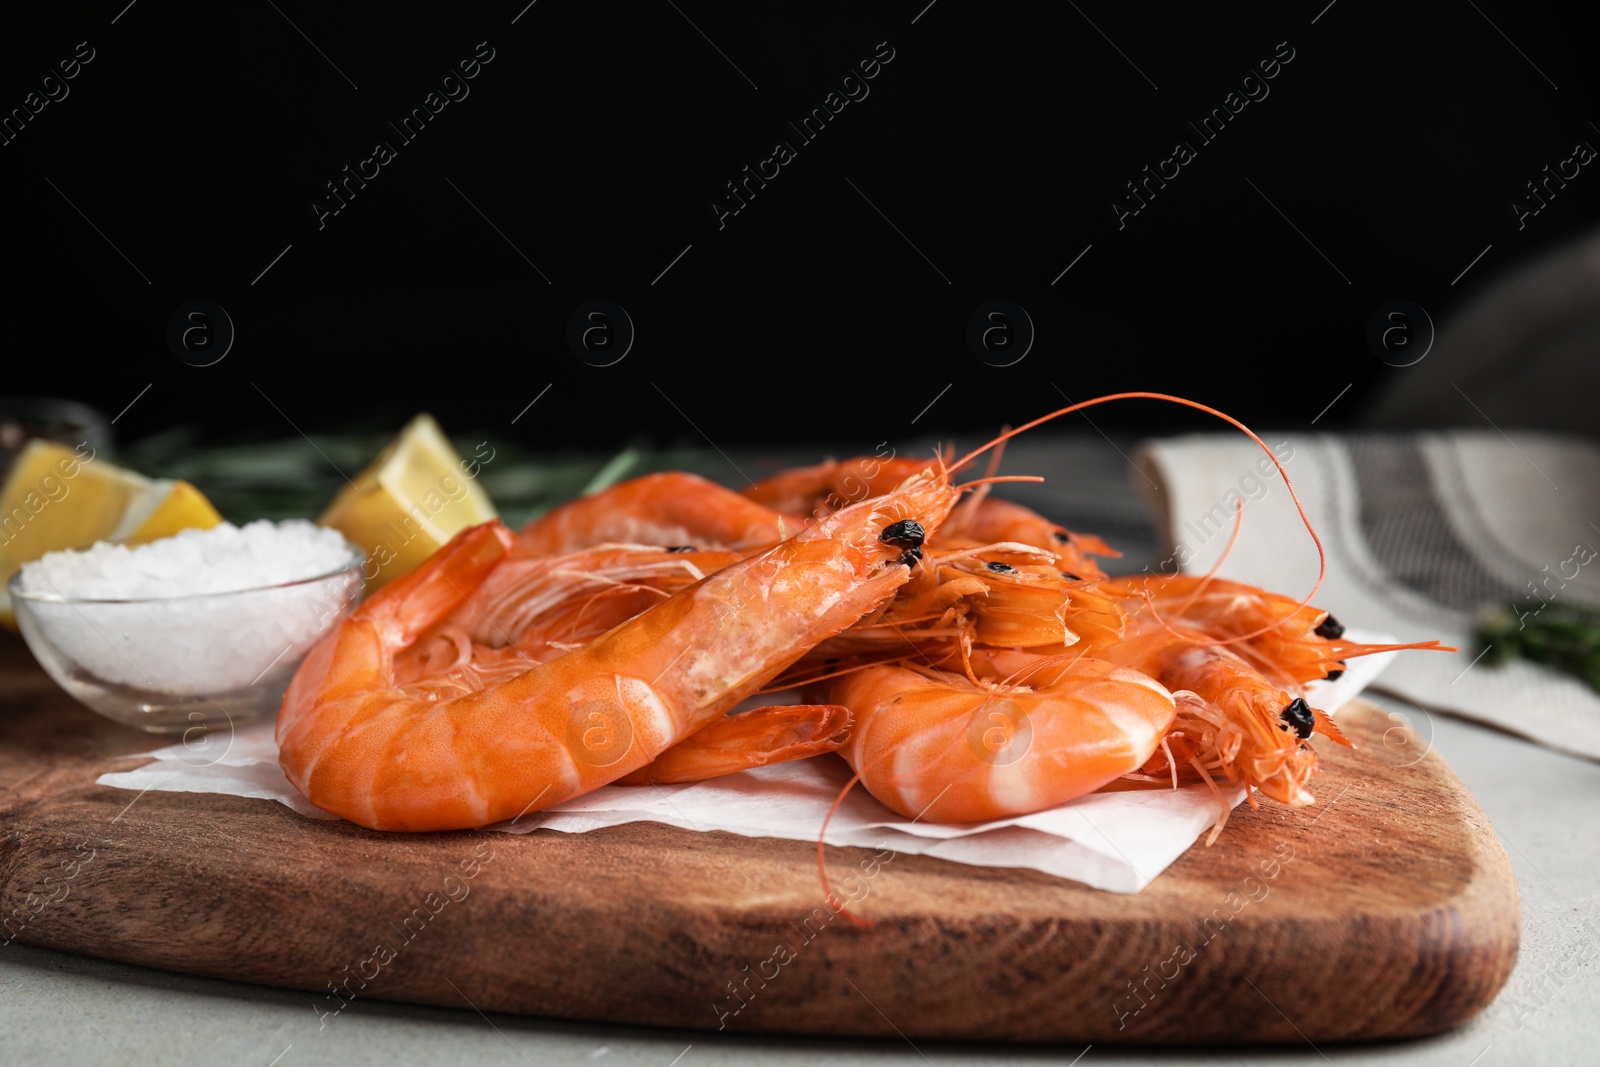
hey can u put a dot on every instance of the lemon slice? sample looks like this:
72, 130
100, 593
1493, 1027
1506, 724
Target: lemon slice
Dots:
57, 497
412, 499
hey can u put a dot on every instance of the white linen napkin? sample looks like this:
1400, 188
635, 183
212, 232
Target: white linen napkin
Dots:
1422, 531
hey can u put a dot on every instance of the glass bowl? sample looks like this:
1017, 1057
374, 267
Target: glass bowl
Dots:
174, 664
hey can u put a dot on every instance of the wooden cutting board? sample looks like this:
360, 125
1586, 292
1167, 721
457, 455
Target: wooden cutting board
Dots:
1386, 910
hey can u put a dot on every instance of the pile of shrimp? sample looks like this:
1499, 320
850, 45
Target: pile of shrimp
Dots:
969, 658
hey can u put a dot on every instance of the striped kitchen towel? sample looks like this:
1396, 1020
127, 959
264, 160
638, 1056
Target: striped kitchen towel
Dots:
1422, 532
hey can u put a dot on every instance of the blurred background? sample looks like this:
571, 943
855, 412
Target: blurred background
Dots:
1356, 177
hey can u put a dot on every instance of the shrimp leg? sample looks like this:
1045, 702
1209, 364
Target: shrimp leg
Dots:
757, 738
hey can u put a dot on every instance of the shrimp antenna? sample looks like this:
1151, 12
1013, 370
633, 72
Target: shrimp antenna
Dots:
999, 452
1227, 550
1200, 587
995, 479
1322, 554
1021, 675
822, 838
822, 861
978, 493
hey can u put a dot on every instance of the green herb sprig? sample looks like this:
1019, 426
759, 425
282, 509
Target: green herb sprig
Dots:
1559, 635
294, 477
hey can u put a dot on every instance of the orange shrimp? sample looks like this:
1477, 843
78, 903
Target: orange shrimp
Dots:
818, 490
1029, 603
530, 610
1230, 722
1290, 642
549, 605
995, 520
986, 596
980, 519
1266, 745
670, 509
363, 746
909, 739
948, 748
1244, 655
555, 604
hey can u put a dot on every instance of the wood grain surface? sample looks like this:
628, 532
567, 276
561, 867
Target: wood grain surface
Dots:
1387, 909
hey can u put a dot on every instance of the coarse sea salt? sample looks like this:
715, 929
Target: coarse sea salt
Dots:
222, 559
202, 613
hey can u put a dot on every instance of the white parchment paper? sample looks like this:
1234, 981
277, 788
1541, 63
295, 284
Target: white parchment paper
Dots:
1117, 841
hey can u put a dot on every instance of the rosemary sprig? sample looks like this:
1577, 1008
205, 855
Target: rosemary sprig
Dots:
1559, 635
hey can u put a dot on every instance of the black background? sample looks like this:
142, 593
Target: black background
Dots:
995, 140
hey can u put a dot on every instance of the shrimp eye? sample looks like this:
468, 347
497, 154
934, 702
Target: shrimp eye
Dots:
1330, 628
1069, 576
907, 533
911, 555
1062, 536
1297, 717
1001, 568
1335, 674
682, 548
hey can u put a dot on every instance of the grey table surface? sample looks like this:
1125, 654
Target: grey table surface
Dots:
57, 1008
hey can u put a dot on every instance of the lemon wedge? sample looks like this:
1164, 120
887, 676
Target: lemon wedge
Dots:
60, 497
179, 506
413, 498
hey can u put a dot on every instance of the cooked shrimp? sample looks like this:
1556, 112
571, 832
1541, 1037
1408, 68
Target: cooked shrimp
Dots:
817, 491
531, 610
1245, 654
1029, 603
989, 596
1290, 642
980, 519
547, 606
940, 746
996, 520
669, 509
363, 746
555, 604
1268, 751
495, 681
